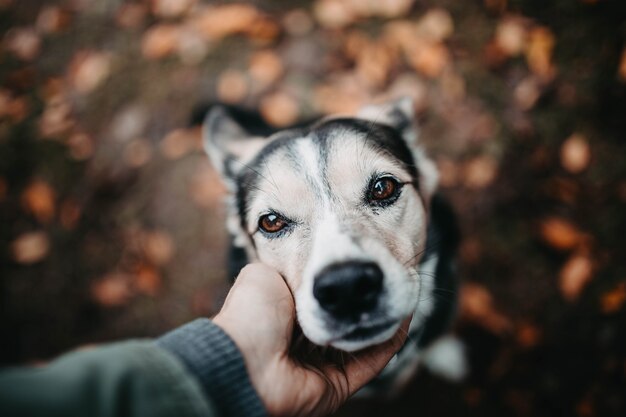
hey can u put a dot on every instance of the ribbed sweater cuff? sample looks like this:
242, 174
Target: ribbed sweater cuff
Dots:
211, 355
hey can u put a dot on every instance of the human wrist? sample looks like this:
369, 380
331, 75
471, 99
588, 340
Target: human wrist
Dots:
209, 353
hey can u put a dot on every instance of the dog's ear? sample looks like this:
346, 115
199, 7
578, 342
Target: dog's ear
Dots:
400, 114
229, 146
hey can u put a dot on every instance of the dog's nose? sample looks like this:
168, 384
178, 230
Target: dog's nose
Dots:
348, 289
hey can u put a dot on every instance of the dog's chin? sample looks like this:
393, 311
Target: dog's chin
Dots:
363, 337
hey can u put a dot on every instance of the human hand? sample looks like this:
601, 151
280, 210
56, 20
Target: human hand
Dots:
259, 315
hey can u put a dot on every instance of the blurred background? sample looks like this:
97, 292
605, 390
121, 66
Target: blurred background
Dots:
111, 218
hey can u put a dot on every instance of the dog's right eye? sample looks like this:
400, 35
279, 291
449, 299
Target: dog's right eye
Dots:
272, 223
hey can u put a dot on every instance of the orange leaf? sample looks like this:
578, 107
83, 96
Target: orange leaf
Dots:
30, 247
112, 290
38, 198
575, 154
158, 247
574, 276
477, 306
560, 234
279, 109
613, 301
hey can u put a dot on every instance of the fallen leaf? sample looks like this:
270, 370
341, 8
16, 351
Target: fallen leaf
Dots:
69, 214
560, 233
160, 41
88, 70
265, 68
81, 146
477, 306
137, 153
177, 143
448, 172
23, 42
334, 14
147, 280
56, 119
528, 335
436, 25
374, 62
279, 109
613, 300
192, 48
480, 172
232, 86
52, 19
429, 58
621, 71
171, 8
298, 22
526, 93
206, 188
131, 15
112, 290
575, 154
539, 50
511, 36
30, 247
575, 275
39, 199
158, 247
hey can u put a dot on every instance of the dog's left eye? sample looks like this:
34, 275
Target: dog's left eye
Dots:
383, 191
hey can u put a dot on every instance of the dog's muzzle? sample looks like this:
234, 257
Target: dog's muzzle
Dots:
347, 290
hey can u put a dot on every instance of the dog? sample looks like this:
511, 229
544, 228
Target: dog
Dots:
346, 210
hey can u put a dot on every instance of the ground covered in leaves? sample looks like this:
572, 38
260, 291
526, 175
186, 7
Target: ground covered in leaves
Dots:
111, 218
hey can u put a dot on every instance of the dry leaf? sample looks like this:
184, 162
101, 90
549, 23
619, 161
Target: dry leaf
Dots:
511, 36
539, 53
57, 118
158, 247
279, 109
88, 70
160, 41
217, 22
177, 143
147, 280
30, 247
206, 188
374, 62
477, 306
81, 146
333, 14
52, 19
526, 93
621, 71
575, 275
192, 47
137, 153
429, 58
528, 335
112, 290
171, 8
480, 172
436, 25
298, 22
560, 233
448, 172
232, 86
131, 15
23, 42
575, 154
39, 199
69, 214
265, 68
612, 301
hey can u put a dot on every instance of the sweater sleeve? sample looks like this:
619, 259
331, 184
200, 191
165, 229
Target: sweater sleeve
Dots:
134, 379
212, 356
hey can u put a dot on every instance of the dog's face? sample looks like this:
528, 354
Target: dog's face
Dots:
339, 209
